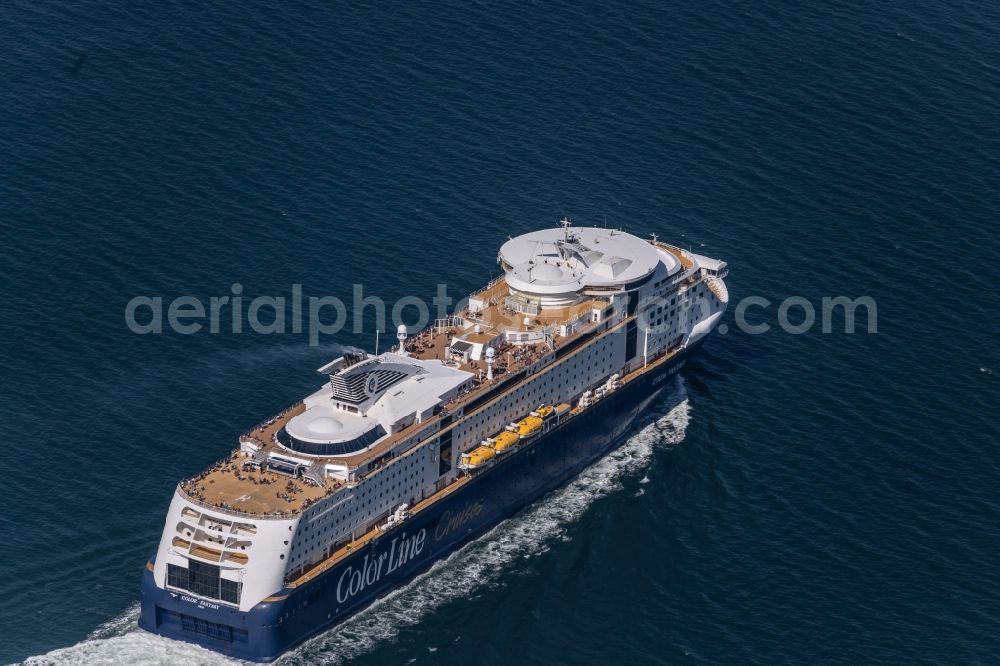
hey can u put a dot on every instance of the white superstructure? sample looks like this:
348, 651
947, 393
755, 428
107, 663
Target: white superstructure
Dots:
576, 311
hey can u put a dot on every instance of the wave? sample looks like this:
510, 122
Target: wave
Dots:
481, 564
120, 641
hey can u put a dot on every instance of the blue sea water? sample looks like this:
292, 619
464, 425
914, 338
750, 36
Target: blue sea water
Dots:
825, 498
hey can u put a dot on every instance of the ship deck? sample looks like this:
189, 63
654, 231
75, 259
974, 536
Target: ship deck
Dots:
230, 486
227, 486
497, 317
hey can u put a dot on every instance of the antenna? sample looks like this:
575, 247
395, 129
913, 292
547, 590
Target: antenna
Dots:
376, 342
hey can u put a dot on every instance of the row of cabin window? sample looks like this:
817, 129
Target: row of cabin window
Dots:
533, 392
323, 528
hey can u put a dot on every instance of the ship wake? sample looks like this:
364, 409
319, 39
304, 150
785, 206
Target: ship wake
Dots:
120, 641
480, 565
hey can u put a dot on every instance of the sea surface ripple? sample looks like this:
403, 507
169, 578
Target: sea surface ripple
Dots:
820, 498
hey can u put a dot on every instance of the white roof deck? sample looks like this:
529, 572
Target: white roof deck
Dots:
432, 384
570, 259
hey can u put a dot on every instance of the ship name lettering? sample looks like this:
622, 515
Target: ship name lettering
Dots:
200, 602
451, 521
401, 550
671, 371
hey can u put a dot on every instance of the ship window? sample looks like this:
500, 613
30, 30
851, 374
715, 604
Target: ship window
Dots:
204, 580
230, 590
177, 576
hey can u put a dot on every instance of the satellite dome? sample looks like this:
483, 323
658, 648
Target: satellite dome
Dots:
547, 271
326, 425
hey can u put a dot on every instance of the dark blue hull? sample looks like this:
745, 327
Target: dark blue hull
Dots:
271, 628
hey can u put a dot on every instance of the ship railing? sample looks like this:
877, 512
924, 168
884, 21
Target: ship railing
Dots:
487, 287
263, 425
522, 305
448, 322
687, 261
230, 511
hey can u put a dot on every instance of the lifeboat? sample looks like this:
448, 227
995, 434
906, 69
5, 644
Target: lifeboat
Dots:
477, 457
505, 441
529, 426
544, 412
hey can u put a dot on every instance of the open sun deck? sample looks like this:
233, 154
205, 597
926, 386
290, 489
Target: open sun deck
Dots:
496, 315
237, 485
524, 340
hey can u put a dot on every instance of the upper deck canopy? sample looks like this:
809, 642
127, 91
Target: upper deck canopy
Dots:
571, 259
382, 394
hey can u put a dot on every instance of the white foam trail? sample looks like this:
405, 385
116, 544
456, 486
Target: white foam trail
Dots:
119, 642
480, 564
118, 625
133, 647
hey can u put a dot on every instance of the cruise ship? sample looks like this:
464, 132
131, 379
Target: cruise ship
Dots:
399, 458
